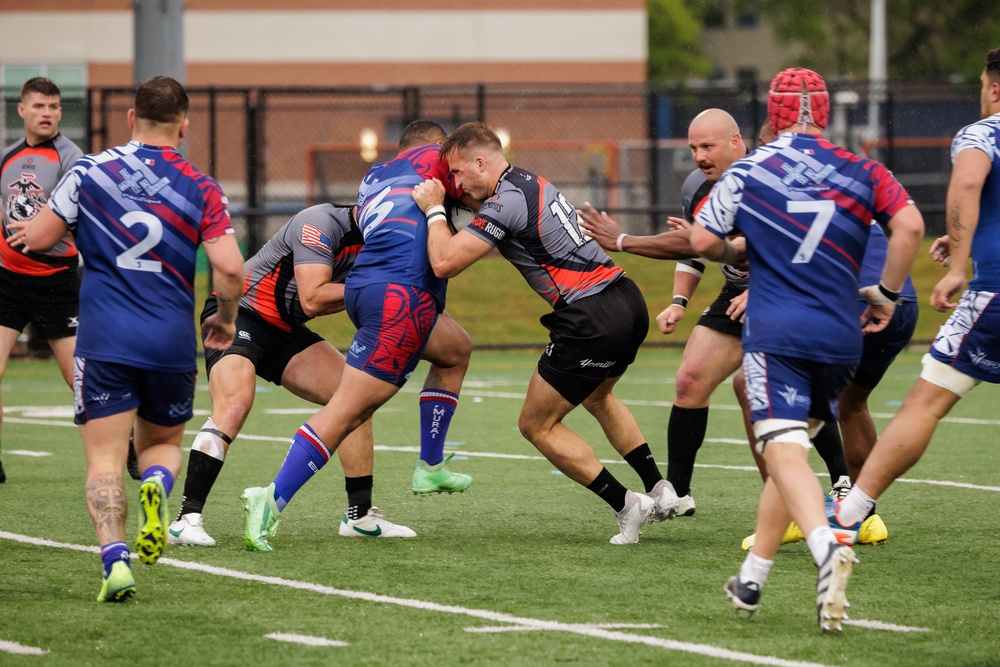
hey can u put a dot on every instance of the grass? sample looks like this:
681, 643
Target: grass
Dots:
492, 301
523, 546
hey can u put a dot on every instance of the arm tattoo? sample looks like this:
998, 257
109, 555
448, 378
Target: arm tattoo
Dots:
955, 226
107, 503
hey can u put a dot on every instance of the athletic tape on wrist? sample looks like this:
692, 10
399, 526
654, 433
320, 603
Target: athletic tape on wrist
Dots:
618, 242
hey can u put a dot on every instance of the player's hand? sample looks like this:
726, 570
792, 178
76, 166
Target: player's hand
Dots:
739, 243
738, 307
216, 334
428, 193
599, 226
941, 250
953, 283
668, 319
16, 230
677, 223
876, 317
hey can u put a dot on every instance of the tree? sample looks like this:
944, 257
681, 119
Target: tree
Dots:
674, 50
927, 39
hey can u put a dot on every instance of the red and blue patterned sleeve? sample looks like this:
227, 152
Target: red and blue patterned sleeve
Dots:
890, 195
215, 212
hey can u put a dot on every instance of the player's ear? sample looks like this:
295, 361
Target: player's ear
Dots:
184, 127
131, 119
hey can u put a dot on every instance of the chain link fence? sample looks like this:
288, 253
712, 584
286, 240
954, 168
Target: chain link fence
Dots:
621, 147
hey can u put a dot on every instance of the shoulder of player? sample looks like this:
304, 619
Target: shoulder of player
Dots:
12, 149
328, 218
65, 147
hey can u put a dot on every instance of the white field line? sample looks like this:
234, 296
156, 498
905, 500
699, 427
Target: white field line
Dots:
20, 649
487, 629
470, 392
892, 627
26, 452
304, 639
526, 457
484, 614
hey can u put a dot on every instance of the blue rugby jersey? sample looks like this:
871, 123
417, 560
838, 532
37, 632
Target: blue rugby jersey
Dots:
394, 227
806, 208
138, 214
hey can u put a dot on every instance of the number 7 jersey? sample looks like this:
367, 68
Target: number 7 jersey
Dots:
138, 214
806, 208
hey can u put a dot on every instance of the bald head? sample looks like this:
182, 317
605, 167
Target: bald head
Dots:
715, 141
715, 120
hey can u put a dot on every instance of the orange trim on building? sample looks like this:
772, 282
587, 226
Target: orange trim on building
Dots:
330, 5
389, 74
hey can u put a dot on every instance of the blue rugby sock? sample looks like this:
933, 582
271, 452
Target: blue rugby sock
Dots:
166, 477
306, 456
112, 553
436, 410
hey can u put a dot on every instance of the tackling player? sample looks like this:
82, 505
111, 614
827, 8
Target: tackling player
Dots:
395, 301
599, 317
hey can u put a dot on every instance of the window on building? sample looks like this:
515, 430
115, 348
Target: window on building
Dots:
71, 79
713, 14
746, 76
745, 14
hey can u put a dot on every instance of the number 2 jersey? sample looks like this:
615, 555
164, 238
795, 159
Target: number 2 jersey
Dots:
394, 227
138, 214
806, 208
320, 234
532, 225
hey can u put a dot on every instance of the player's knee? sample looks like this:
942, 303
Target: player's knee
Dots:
692, 390
781, 430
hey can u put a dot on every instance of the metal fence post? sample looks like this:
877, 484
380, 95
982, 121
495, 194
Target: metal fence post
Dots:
253, 202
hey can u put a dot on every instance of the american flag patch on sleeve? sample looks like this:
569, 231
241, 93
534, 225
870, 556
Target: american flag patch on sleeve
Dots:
312, 235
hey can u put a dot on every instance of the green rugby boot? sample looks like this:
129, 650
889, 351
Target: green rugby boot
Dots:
153, 521
262, 517
119, 585
438, 479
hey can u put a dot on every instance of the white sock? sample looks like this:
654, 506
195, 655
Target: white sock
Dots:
208, 442
855, 507
819, 542
755, 569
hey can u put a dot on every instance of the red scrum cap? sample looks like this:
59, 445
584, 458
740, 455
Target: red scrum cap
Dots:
796, 96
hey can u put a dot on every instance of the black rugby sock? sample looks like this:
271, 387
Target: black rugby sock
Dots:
609, 489
685, 434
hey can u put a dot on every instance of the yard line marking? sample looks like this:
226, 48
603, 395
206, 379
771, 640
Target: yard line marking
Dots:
472, 392
292, 638
529, 457
313, 410
485, 614
958, 485
26, 452
36, 422
526, 628
879, 625
21, 649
